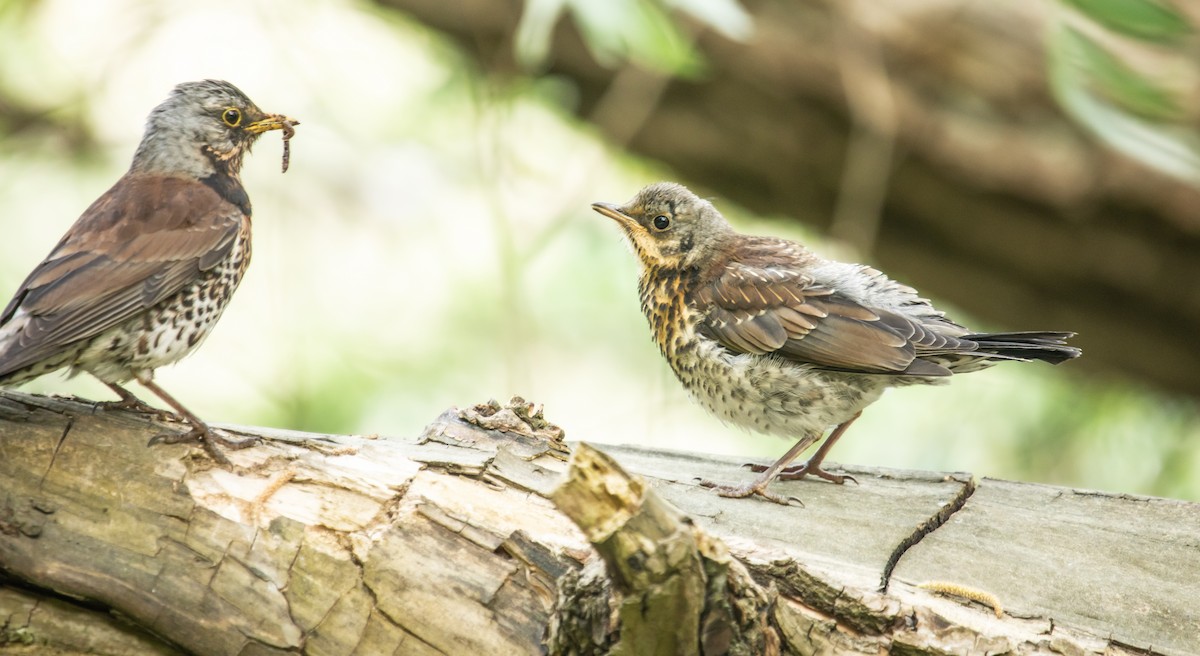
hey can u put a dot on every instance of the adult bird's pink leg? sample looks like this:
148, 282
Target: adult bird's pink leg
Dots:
131, 402
200, 430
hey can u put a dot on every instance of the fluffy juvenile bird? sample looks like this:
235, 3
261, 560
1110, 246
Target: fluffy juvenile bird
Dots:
769, 336
143, 275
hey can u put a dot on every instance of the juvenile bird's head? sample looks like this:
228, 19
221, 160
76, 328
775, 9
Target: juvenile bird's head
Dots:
670, 227
203, 128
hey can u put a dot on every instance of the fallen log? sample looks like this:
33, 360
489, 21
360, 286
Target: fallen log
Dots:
479, 537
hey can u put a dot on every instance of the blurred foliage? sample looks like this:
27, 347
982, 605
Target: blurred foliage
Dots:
432, 245
640, 31
1149, 20
1129, 71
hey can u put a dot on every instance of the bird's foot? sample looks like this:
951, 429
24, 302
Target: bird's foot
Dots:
758, 487
797, 472
208, 438
134, 404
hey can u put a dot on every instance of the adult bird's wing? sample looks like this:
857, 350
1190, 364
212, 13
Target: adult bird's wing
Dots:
766, 304
142, 241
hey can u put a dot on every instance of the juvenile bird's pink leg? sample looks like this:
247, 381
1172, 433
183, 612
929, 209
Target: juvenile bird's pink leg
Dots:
759, 485
813, 465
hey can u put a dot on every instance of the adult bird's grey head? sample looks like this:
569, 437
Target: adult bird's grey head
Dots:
141, 278
203, 128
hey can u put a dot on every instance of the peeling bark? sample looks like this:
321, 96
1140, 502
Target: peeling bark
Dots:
680, 590
479, 539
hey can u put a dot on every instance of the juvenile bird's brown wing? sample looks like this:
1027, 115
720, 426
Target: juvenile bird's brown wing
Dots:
767, 304
142, 241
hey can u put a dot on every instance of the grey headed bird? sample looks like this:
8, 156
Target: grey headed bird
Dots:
769, 336
143, 275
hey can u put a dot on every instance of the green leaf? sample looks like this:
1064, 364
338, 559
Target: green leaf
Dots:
637, 30
1149, 20
1172, 148
532, 38
724, 16
641, 31
1117, 81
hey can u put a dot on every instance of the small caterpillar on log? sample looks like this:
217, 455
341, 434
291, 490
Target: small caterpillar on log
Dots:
966, 593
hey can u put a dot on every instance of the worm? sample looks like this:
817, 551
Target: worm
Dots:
288, 133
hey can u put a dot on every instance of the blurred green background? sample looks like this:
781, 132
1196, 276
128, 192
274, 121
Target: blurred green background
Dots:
432, 243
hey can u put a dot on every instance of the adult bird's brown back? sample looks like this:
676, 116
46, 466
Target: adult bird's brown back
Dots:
770, 336
143, 275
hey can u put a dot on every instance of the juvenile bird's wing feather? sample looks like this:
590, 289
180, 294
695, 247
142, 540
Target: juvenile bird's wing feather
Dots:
142, 241
765, 303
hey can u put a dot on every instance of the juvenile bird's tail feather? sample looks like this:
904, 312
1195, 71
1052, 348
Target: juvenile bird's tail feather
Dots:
1046, 346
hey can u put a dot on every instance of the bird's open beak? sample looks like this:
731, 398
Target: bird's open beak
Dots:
271, 122
614, 212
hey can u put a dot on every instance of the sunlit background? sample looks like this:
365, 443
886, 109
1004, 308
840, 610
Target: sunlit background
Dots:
432, 245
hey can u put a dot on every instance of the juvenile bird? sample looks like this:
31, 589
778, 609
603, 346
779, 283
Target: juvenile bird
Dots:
769, 336
143, 275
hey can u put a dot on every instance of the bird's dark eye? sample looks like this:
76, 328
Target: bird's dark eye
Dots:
232, 117
662, 222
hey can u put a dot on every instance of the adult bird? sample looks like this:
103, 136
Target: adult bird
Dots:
769, 336
143, 275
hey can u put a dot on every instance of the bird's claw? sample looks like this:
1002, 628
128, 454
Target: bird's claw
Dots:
208, 438
138, 406
758, 488
798, 472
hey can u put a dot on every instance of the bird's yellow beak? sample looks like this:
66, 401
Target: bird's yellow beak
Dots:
614, 212
271, 122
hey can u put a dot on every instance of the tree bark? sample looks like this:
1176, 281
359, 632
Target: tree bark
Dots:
924, 131
478, 538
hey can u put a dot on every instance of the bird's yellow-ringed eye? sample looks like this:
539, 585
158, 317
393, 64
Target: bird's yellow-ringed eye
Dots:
232, 116
662, 222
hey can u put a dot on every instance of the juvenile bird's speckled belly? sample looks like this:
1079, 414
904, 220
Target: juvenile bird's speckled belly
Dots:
765, 393
771, 395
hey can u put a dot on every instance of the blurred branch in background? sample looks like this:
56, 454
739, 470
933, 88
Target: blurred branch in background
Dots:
25, 119
18, 120
872, 142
